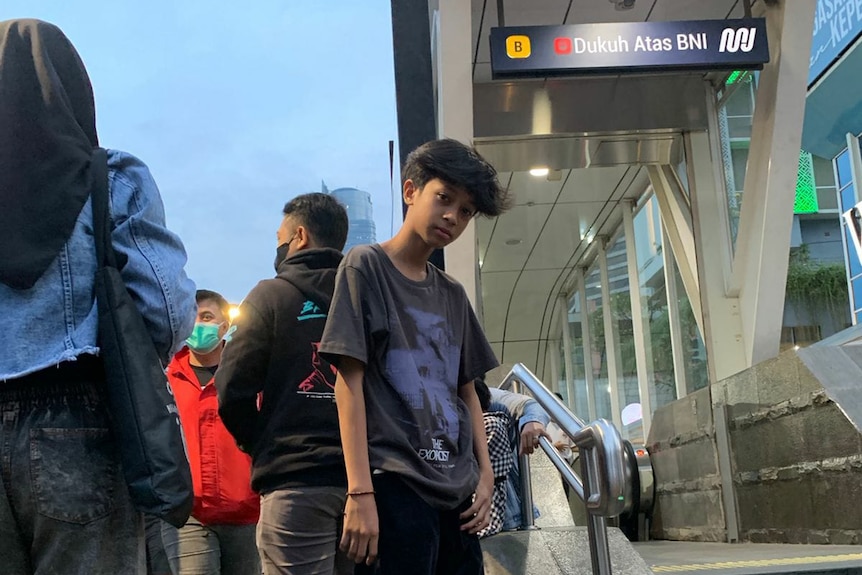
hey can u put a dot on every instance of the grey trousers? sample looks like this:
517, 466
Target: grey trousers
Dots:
299, 531
64, 505
197, 549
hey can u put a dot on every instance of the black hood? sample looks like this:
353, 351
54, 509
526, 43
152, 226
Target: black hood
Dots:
303, 270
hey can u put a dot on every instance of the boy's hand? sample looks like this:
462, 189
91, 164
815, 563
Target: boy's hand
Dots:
361, 530
530, 434
478, 516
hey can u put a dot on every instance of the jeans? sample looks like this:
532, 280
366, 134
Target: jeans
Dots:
417, 539
299, 531
196, 549
64, 505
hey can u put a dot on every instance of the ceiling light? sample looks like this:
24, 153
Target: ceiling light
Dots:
539, 172
513, 242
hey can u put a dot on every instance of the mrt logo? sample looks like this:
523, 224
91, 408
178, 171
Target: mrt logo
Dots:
518, 46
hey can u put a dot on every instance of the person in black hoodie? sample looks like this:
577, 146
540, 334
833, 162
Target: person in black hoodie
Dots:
276, 394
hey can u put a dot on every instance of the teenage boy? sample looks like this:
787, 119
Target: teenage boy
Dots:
407, 346
293, 433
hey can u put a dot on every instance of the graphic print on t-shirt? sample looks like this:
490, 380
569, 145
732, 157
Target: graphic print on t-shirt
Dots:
321, 382
426, 378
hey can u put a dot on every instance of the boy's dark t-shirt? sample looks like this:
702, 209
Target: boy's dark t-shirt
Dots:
419, 341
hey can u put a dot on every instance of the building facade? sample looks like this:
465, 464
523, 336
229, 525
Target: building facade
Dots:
360, 215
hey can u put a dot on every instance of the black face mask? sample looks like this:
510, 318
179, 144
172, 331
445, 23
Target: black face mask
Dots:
280, 254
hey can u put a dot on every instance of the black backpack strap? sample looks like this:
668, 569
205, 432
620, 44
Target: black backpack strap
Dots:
101, 212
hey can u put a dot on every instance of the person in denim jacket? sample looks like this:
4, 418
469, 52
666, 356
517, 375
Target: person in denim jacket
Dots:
64, 506
531, 422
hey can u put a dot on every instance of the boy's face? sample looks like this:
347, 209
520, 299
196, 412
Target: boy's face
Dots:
438, 212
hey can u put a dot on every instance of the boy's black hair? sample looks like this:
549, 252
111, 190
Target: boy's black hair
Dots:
323, 215
459, 165
483, 392
209, 295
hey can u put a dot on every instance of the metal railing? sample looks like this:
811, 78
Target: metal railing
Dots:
603, 468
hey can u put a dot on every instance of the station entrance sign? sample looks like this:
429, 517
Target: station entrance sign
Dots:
623, 47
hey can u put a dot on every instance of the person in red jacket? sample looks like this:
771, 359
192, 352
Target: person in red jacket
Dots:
219, 538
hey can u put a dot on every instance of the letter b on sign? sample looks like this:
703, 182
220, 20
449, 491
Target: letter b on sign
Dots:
518, 46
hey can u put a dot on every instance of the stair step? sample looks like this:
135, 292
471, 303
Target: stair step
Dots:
556, 551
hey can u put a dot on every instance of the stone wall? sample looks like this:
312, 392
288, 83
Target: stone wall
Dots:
795, 461
688, 484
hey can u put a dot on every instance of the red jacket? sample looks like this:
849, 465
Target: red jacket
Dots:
221, 473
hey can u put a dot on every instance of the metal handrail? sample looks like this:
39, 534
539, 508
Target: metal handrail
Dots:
602, 459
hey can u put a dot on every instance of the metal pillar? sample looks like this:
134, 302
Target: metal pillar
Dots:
454, 113
677, 225
722, 326
766, 219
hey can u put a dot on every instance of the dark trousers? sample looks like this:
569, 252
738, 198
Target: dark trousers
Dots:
417, 539
64, 506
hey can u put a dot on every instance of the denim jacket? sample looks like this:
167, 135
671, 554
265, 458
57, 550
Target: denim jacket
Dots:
57, 320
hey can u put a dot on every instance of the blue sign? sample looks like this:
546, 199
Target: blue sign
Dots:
620, 47
837, 24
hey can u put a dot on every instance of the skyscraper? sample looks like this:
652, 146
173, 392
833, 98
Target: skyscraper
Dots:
359, 215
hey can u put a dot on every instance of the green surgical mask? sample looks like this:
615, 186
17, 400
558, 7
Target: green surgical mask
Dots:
204, 337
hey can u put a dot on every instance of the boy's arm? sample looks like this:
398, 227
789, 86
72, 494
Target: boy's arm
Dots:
361, 531
478, 515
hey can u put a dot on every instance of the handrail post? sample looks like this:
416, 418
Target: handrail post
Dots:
600, 553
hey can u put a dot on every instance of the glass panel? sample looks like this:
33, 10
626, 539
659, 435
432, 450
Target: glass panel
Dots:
740, 161
842, 166
739, 127
579, 404
848, 198
562, 386
824, 174
693, 348
623, 338
653, 306
852, 257
741, 102
601, 384
857, 292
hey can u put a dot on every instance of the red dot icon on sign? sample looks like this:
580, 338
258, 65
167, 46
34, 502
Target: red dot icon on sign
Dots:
563, 45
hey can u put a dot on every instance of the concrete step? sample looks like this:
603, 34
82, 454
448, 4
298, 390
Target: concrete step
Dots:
556, 551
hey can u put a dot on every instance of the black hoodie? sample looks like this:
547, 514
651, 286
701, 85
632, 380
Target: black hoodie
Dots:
293, 437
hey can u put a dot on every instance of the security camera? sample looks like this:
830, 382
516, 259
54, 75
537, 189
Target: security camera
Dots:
624, 4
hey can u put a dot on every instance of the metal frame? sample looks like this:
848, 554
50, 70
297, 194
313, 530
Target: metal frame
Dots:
855, 156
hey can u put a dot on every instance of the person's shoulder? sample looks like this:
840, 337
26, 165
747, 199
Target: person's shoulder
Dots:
129, 170
361, 256
447, 282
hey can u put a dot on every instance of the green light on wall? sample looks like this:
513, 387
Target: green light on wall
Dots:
734, 77
806, 190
